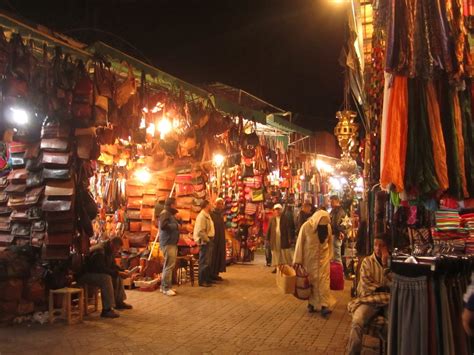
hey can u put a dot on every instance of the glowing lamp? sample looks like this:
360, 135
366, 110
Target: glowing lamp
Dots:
164, 127
324, 167
19, 116
151, 130
143, 175
218, 159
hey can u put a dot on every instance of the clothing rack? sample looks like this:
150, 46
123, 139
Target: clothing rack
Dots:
411, 266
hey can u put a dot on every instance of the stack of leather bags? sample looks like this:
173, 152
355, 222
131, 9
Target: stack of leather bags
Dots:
55, 173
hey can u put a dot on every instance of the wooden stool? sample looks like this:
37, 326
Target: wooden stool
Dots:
91, 299
66, 312
188, 269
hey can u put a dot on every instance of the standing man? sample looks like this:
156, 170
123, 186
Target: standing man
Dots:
203, 235
100, 270
303, 215
280, 235
218, 262
337, 217
169, 237
373, 293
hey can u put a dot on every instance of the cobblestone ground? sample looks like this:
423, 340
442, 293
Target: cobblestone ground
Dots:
244, 314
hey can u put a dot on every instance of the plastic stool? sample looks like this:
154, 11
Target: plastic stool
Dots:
66, 312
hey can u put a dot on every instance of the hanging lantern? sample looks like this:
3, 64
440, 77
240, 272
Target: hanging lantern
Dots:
347, 132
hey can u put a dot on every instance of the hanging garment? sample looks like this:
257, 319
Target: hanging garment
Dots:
450, 137
387, 100
437, 138
460, 141
420, 173
468, 134
315, 256
393, 170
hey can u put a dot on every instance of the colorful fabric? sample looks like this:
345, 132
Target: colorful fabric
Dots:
393, 169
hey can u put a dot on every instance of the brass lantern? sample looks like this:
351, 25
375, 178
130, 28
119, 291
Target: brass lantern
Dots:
347, 132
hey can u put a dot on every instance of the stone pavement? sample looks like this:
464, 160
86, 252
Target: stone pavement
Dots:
244, 314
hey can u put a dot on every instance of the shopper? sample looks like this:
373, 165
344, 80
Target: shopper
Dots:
218, 261
372, 293
337, 217
100, 270
305, 212
468, 312
280, 235
314, 251
203, 235
169, 237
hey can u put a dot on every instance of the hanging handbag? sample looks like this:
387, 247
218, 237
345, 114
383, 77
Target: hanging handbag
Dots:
133, 214
135, 226
303, 285
126, 89
17, 160
134, 191
248, 171
185, 214
49, 205
18, 176
138, 240
83, 96
34, 164
58, 239
146, 226
146, 213
57, 174
184, 189
60, 188
149, 200
56, 160
55, 145
3, 198
134, 202
184, 202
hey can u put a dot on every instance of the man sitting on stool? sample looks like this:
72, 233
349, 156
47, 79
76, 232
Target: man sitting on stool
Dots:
372, 293
102, 271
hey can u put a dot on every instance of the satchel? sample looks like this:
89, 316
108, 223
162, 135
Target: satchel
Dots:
32, 197
184, 202
134, 202
5, 211
5, 225
200, 194
56, 205
146, 213
56, 160
60, 188
133, 214
303, 285
16, 148
18, 176
37, 238
21, 230
184, 179
60, 216
286, 279
38, 226
57, 174
135, 226
53, 129
3, 182
149, 200
126, 89
146, 226
19, 216
185, 214
55, 145
15, 189
34, 213
85, 144
134, 191
184, 190
163, 184
6, 240
138, 240
3, 198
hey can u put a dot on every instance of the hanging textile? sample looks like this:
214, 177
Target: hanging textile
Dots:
437, 138
468, 134
450, 138
393, 167
460, 140
420, 175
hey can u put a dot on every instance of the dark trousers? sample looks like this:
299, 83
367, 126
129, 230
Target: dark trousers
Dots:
204, 263
111, 288
268, 253
409, 316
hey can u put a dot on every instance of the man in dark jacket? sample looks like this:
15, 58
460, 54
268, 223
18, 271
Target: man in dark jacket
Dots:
305, 212
338, 229
169, 237
102, 271
280, 235
218, 256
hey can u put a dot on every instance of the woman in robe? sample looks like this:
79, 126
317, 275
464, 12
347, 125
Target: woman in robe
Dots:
314, 251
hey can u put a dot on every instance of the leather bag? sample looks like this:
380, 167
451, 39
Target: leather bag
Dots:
184, 189
3, 198
184, 214
146, 213
149, 200
138, 240
56, 159
57, 174
20, 229
15, 189
134, 202
146, 226
134, 191
18, 176
34, 179
49, 205
5, 224
60, 188
17, 160
60, 227
135, 226
6, 240
133, 214
55, 144
35, 164
184, 202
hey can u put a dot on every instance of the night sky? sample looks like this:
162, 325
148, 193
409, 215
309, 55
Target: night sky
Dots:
284, 51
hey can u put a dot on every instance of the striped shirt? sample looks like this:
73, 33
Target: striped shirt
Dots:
372, 276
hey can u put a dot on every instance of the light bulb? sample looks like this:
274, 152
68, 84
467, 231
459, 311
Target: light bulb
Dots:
164, 127
19, 116
143, 175
218, 159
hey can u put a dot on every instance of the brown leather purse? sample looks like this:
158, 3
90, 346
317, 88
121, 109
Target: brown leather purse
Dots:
15, 189
146, 213
138, 240
55, 145
134, 191
134, 202
18, 176
135, 226
60, 188
146, 226
57, 174
149, 200
56, 159
56, 205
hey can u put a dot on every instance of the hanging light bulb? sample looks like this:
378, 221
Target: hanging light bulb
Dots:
164, 127
19, 116
218, 159
143, 175
151, 129
142, 123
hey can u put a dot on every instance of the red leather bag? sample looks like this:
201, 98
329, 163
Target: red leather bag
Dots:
337, 276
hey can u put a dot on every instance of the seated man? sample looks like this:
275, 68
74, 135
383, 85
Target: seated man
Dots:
372, 293
100, 270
